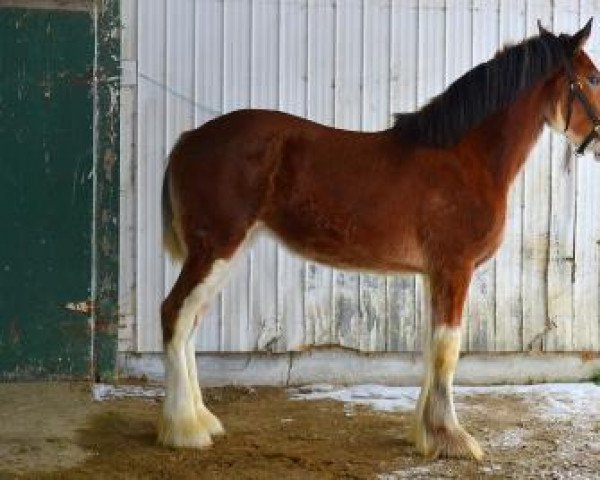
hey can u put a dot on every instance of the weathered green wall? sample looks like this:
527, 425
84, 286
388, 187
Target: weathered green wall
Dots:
46, 188
59, 189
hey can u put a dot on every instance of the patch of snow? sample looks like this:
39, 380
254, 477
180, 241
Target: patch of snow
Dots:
379, 397
552, 400
103, 391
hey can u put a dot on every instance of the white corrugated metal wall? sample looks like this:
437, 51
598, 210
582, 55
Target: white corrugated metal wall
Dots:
349, 63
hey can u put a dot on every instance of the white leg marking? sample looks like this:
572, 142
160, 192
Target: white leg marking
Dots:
212, 423
180, 425
444, 352
437, 431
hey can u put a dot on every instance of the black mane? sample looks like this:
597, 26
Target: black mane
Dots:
481, 91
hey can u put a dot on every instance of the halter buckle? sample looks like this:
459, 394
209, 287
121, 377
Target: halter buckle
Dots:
576, 85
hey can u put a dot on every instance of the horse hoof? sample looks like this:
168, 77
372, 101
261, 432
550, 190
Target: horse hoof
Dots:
210, 421
183, 432
448, 442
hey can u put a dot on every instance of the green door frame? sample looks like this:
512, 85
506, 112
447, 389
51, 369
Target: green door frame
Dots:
105, 238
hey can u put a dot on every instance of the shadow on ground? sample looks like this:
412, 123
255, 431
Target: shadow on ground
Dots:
268, 437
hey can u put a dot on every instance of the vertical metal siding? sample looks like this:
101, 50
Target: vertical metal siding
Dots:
321, 51
403, 333
292, 98
509, 299
562, 221
265, 94
151, 152
587, 233
480, 308
536, 185
352, 64
208, 102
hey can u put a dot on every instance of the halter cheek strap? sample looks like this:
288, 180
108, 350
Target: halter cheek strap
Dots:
576, 91
595, 133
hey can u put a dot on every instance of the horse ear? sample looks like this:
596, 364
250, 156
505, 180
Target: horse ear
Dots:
541, 28
578, 40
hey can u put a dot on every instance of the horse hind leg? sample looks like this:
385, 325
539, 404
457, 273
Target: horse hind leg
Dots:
185, 421
205, 416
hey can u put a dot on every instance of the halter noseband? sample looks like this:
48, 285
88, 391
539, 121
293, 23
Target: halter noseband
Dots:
576, 91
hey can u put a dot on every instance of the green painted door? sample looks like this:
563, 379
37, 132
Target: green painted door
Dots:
46, 192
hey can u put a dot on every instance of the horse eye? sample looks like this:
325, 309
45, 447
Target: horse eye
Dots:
594, 80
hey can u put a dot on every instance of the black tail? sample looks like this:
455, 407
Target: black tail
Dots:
170, 240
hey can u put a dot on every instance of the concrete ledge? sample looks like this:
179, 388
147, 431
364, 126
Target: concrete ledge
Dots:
214, 369
340, 366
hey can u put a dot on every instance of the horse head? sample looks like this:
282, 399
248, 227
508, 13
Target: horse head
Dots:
575, 106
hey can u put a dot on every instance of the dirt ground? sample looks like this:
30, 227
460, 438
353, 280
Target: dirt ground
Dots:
55, 431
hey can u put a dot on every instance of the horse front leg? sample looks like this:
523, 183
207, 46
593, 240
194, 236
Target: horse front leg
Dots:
437, 430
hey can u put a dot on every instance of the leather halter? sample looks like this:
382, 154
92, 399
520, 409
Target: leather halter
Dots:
576, 91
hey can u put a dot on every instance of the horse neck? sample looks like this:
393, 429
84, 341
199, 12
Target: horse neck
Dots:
506, 138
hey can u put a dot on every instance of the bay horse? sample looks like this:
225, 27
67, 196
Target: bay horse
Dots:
427, 195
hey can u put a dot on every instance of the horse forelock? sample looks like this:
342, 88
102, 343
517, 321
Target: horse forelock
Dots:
482, 91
